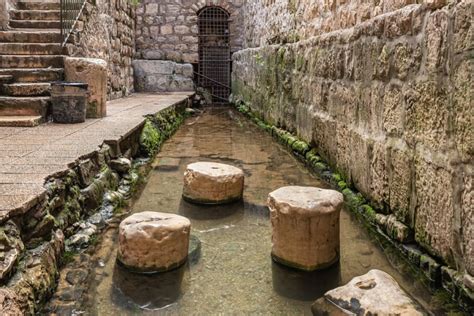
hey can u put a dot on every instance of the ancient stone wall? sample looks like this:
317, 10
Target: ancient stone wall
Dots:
282, 21
162, 76
168, 29
106, 30
387, 102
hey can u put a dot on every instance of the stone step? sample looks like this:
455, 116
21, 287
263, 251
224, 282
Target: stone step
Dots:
4, 79
35, 24
20, 121
39, 5
31, 61
20, 36
21, 75
24, 106
35, 15
30, 49
27, 89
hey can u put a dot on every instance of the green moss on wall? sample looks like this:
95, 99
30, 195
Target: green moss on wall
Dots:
150, 139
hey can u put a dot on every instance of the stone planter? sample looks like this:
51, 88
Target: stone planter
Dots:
69, 101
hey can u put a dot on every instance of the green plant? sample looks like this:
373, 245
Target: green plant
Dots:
68, 257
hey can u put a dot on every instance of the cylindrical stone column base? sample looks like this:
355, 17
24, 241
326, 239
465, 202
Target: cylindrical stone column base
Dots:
153, 242
305, 222
212, 183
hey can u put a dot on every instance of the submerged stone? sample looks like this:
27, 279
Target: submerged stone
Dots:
11, 247
83, 237
374, 293
121, 165
300, 147
194, 252
213, 183
305, 223
153, 242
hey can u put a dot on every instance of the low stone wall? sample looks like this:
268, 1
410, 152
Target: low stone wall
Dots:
168, 29
388, 104
78, 205
162, 76
106, 30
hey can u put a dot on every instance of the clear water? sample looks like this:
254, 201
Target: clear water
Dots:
234, 274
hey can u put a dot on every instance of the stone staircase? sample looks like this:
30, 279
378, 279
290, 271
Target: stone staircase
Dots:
30, 59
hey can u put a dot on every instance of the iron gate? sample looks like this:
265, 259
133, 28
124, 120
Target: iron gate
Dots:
70, 12
214, 53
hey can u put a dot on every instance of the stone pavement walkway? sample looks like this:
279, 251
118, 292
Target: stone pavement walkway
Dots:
30, 155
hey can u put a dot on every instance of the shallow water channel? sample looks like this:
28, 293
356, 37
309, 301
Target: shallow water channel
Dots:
234, 273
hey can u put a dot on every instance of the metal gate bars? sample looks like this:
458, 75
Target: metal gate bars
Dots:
214, 53
70, 11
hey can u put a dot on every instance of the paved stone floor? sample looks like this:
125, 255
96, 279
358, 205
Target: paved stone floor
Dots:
29, 155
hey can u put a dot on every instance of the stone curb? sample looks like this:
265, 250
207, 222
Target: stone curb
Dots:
90, 189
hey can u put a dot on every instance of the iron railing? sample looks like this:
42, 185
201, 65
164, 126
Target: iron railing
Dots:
209, 89
70, 12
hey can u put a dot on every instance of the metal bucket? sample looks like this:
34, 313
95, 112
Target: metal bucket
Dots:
69, 101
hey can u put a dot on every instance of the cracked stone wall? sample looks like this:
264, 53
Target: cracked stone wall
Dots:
106, 30
168, 30
386, 98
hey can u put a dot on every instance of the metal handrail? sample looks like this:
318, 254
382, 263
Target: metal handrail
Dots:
70, 12
212, 80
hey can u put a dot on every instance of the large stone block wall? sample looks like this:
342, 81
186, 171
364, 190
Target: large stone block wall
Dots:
163, 76
168, 29
106, 30
388, 103
280, 21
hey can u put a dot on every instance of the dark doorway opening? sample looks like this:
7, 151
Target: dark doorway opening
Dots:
214, 53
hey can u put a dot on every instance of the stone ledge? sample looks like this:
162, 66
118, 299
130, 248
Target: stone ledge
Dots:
73, 142
92, 187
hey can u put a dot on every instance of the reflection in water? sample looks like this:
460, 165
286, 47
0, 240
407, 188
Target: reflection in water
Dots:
147, 291
233, 211
304, 285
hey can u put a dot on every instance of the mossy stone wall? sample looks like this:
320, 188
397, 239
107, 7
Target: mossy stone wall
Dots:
387, 104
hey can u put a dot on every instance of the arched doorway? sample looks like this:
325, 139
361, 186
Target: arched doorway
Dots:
214, 53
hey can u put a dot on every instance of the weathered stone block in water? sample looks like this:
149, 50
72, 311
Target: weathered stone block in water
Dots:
305, 223
212, 183
374, 293
153, 242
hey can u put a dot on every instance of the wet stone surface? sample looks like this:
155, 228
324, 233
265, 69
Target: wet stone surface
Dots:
234, 271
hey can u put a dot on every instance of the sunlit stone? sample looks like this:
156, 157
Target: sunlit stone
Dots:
305, 223
153, 242
374, 293
212, 183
